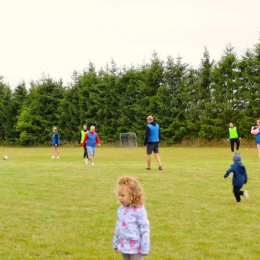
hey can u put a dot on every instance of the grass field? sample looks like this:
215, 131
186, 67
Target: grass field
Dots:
65, 209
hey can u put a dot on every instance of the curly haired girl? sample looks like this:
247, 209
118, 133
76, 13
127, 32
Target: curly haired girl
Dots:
132, 231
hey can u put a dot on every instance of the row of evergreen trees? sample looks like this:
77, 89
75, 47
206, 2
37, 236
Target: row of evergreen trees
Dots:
188, 103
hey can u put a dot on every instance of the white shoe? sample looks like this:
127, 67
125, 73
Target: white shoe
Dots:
86, 161
92, 164
58, 157
246, 195
53, 157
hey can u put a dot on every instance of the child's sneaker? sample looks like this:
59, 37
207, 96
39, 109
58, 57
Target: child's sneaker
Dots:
58, 157
148, 169
160, 168
86, 161
53, 157
246, 195
92, 164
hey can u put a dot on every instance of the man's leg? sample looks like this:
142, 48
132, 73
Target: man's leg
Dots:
90, 153
85, 152
237, 143
149, 160
158, 158
149, 151
232, 144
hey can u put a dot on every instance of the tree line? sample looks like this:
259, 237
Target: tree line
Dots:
188, 103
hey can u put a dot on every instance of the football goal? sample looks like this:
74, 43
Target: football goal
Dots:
128, 140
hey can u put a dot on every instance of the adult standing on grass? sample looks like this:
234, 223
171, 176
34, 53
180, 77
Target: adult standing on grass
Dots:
255, 130
91, 139
151, 141
81, 139
239, 177
55, 143
233, 135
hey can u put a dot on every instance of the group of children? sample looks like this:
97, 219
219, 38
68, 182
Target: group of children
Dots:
88, 140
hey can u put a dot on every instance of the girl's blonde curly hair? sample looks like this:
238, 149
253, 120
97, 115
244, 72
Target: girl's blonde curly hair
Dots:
135, 190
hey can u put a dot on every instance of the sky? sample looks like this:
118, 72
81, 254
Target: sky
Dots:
55, 38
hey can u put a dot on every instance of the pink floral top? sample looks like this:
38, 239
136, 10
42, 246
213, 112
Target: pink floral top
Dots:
132, 231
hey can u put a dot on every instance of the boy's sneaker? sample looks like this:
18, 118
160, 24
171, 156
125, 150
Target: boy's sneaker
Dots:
148, 168
92, 164
160, 168
53, 157
86, 161
58, 157
246, 195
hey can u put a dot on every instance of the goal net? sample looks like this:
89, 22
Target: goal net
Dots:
128, 140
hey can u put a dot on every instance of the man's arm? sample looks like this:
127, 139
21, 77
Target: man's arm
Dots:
85, 140
147, 133
238, 132
97, 140
227, 134
79, 138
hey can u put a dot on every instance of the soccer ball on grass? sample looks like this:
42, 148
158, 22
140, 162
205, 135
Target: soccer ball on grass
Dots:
5, 157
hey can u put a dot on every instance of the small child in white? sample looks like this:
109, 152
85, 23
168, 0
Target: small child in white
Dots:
132, 231
239, 177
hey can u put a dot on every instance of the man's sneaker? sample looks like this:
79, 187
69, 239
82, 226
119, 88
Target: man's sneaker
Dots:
53, 157
148, 168
86, 161
246, 195
58, 157
92, 164
160, 168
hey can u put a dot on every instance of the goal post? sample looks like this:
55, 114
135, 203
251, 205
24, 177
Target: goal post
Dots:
128, 140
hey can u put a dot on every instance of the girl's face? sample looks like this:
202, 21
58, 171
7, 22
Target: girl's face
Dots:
123, 195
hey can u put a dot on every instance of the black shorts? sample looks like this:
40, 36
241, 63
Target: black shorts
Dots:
152, 148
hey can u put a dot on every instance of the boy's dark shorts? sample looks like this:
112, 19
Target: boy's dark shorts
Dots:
152, 148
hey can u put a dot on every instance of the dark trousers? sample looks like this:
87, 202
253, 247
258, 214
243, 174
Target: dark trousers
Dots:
237, 192
85, 155
232, 142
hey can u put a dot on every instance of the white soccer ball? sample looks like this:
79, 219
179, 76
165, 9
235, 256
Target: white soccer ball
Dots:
5, 157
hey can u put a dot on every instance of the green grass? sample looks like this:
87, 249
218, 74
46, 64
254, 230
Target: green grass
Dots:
64, 209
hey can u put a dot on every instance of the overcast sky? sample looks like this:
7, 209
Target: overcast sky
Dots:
56, 37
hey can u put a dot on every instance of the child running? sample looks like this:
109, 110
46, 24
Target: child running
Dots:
132, 231
239, 177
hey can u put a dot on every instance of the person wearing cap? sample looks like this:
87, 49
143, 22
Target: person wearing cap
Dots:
255, 130
151, 142
239, 177
233, 135
55, 143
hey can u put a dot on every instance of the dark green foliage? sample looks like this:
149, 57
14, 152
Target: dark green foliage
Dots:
188, 103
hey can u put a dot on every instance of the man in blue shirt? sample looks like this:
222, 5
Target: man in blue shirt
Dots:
151, 142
